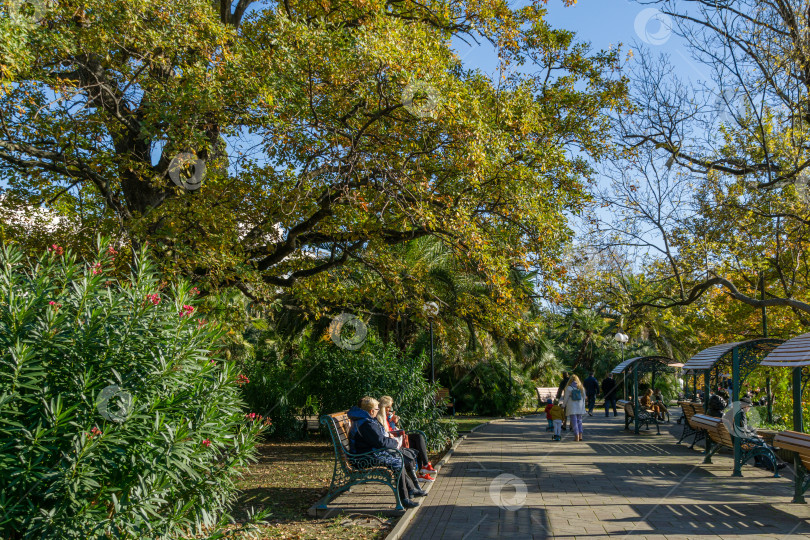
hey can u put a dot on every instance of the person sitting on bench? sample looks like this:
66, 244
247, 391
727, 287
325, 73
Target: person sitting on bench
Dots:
658, 401
367, 435
747, 432
647, 402
414, 441
717, 404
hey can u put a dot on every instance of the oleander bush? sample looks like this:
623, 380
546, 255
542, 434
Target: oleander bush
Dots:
118, 418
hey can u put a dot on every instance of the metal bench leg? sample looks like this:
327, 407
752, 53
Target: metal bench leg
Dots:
799, 480
710, 450
699, 436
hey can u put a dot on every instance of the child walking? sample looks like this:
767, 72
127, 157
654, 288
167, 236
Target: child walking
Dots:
549, 405
557, 414
574, 403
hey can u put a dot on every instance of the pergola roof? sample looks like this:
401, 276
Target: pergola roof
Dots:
792, 353
627, 363
624, 365
707, 358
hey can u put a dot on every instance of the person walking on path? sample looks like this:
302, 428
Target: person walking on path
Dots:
561, 389
557, 414
591, 389
574, 403
609, 391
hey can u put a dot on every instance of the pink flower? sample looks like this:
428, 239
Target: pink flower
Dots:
212, 361
154, 298
206, 443
57, 250
94, 432
195, 290
53, 303
241, 379
201, 322
187, 310
96, 268
111, 251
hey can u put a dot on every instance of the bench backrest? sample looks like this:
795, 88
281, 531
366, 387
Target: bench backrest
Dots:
688, 409
715, 428
339, 425
698, 408
545, 393
795, 442
628, 408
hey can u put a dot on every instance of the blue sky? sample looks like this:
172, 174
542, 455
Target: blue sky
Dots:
604, 23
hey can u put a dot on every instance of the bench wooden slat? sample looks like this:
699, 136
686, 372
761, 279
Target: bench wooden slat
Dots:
793, 440
797, 442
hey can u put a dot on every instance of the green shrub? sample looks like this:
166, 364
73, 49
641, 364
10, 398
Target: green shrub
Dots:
486, 389
273, 391
116, 419
338, 378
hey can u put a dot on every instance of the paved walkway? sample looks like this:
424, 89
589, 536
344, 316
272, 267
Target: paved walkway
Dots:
509, 480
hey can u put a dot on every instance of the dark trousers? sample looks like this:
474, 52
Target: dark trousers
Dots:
407, 480
591, 402
405, 486
610, 402
418, 444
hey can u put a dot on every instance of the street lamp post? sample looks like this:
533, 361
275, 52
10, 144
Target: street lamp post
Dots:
622, 339
432, 310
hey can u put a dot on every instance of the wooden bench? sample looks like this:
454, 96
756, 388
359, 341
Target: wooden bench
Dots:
644, 417
691, 408
543, 394
443, 397
717, 433
799, 443
354, 469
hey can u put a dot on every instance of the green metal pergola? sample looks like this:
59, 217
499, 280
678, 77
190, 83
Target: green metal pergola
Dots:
740, 359
640, 366
795, 354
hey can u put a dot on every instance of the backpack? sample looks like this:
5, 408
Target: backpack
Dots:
576, 394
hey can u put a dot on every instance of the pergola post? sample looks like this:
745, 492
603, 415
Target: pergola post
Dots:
635, 399
706, 385
736, 410
798, 425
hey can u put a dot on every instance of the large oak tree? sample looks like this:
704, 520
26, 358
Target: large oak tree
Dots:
329, 130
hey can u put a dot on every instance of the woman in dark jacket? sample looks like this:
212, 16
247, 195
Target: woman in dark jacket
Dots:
367, 435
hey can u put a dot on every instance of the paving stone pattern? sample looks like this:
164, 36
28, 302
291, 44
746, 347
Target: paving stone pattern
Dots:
509, 480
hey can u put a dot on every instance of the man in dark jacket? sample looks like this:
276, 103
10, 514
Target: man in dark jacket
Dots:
744, 430
591, 389
367, 435
717, 403
609, 391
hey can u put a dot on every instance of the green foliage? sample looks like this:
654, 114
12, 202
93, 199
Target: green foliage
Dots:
117, 419
339, 378
487, 391
330, 379
273, 392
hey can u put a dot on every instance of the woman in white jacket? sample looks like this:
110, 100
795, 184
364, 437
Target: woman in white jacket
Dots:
574, 403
